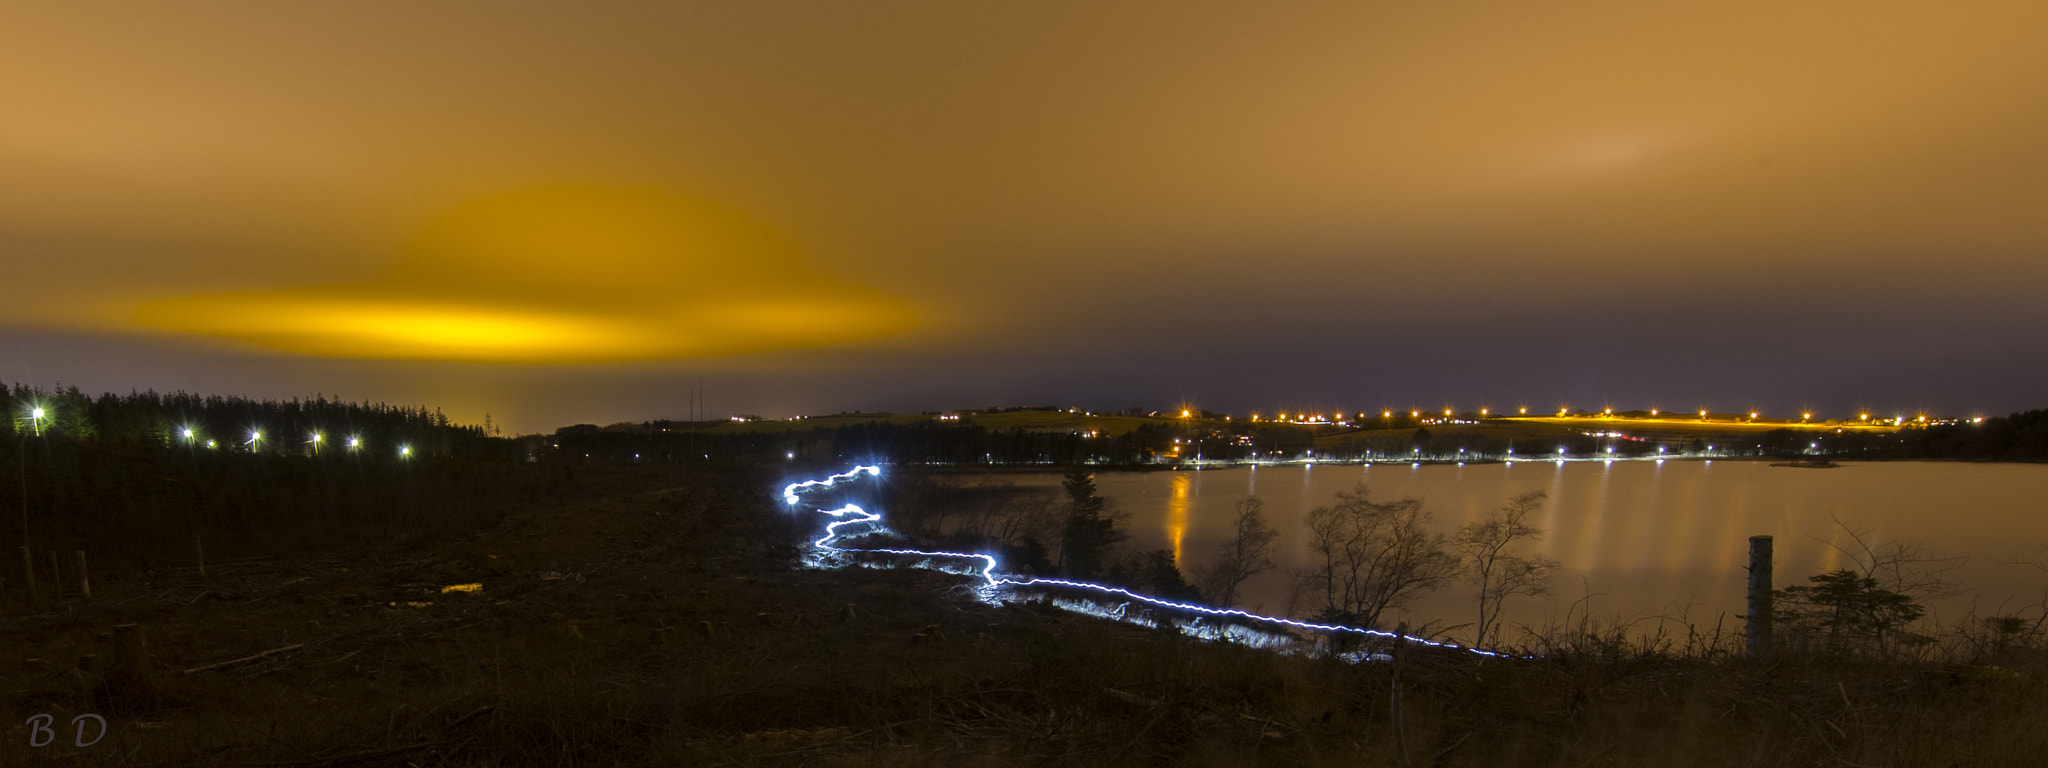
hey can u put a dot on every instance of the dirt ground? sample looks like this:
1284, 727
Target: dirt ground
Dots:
667, 627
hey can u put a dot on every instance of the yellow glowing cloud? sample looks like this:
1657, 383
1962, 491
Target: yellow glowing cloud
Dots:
559, 275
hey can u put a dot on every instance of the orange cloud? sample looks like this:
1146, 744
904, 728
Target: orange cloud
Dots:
561, 274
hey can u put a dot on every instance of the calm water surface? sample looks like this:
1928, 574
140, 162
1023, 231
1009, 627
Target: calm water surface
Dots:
1637, 539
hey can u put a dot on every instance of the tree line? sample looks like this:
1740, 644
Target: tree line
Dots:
2018, 437
121, 477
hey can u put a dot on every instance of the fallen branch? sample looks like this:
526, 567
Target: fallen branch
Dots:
231, 662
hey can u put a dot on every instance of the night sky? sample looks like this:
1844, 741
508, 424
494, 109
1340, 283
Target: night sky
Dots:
562, 213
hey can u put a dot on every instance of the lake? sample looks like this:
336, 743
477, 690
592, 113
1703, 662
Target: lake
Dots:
1636, 539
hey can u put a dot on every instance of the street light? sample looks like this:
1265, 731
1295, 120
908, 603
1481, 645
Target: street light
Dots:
36, 415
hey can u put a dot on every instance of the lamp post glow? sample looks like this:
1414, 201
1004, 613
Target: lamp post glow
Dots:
36, 415
405, 451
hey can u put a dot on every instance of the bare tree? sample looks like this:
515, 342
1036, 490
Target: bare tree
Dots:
1027, 517
1903, 567
1498, 572
1248, 553
1368, 557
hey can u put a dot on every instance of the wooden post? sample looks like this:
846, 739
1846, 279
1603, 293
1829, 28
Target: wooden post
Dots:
200, 548
84, 581
131, 652
28, 569
1759, 635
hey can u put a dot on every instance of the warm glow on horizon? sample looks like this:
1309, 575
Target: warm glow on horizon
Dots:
560, 275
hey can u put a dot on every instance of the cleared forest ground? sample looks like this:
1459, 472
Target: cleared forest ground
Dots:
676, 627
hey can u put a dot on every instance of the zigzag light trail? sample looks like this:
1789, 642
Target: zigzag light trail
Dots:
853, 515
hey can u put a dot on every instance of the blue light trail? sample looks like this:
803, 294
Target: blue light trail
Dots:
995, 584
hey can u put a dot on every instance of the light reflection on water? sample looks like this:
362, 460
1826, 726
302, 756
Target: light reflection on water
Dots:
1636, 538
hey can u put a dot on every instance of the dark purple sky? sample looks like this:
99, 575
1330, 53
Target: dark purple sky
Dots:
573, 214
